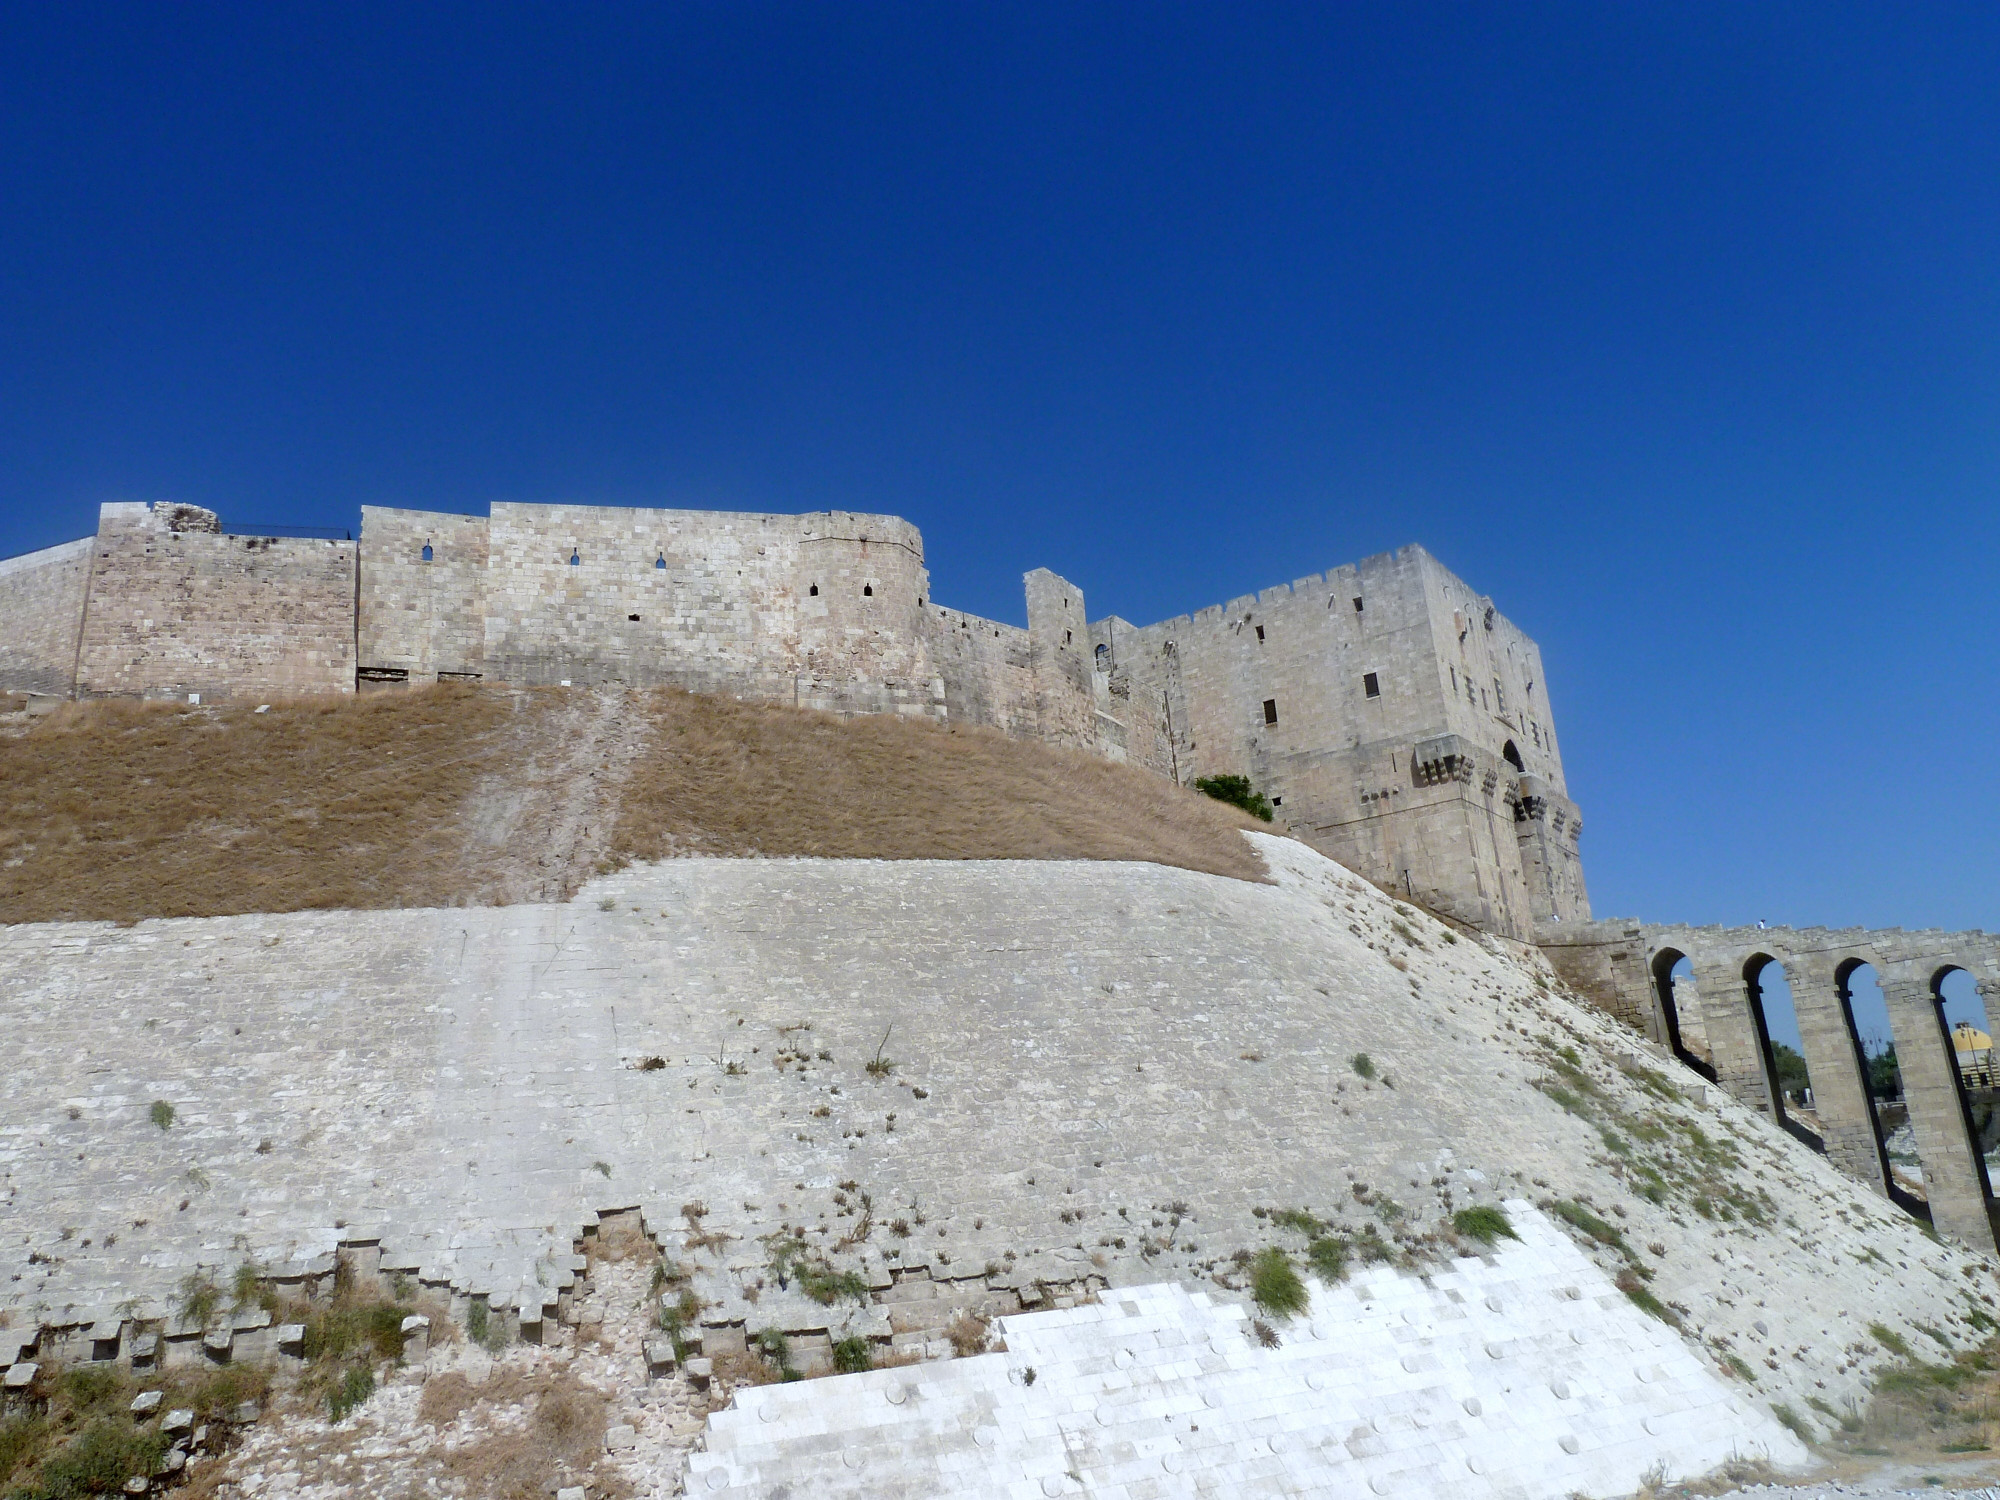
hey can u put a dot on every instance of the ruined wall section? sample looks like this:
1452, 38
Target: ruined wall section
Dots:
177, 607
986, 668
41, 613
422, 616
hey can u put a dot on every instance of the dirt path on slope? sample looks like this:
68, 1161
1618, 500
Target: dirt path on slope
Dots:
541, 829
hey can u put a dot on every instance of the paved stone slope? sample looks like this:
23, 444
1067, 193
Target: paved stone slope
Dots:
1524, 1375
1100, 1071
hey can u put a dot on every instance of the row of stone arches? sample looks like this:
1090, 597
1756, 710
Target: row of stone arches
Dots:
1847, 1045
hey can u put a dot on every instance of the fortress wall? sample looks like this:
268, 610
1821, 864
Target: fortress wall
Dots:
190, 610
1343, 766
1065, 690
717, 617
987, 670
416, 615
41, 611
862, 642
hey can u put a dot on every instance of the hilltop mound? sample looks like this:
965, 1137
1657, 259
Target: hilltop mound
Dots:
457, 796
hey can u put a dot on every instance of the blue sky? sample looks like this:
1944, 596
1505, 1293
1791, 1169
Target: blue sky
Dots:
1674, 328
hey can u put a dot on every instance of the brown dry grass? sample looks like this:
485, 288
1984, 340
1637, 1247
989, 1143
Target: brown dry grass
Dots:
455, 795
722, 777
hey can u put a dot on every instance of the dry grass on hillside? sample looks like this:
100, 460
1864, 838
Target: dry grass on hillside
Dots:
721, 777
453, 796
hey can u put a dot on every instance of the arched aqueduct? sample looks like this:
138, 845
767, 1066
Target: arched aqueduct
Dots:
1627, 968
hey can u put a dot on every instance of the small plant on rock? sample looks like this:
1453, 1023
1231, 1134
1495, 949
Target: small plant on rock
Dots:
878, 1065
1483, 1223
852, 1355
1275, 1283
161, 1114
1363, 1064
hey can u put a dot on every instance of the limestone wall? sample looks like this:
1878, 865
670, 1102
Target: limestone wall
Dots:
987, 669
41, 610
422, 615
1375, 705
176, 607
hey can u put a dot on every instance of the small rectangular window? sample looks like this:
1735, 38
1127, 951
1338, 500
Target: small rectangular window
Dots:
1270, 710
1371, 684
1357, 606
633, 618
1260, 632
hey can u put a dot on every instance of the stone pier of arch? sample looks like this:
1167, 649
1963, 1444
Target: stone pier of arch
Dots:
1623, 966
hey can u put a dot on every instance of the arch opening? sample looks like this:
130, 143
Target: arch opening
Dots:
1769, 991
1867, 1016
1673, 983
1968, 1039
1511, 753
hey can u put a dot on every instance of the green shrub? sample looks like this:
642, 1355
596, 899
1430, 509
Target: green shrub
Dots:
1363, 1064
1299, 1220
161, 1114
98, 1463
1484, 1224
852, 1355
1237, 792
1275, 1285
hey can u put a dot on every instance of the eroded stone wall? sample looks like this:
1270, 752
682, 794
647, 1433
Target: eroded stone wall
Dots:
422, 609
176, 607
41, 610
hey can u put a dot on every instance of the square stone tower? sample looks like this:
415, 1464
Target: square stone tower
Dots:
1400, 723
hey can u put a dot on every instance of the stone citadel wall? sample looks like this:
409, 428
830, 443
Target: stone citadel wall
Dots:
41, 611
1399, 722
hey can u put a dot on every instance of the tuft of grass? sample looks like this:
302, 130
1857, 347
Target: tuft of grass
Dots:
1846, 1421
1889, 1339
1327, 1256
161, 1114
1791, 1419
1635, 1289
1275, 1285
1298, 1220
1739, 1368
355, 1386
1363, 1064
1483, 1223
201, 1298
602, 1168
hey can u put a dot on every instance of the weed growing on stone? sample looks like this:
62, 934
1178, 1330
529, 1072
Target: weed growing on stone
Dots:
1628, 1282
1363, 1064
1791, 1419
1327, 1256
676, 1317
878, 1065
967, 1332
792, 1260
852, 1355
771, 1345
161, 1114
1484, 1224
201, 1298
356, 1385
1846, 1421
1274, 1283
1889, 1339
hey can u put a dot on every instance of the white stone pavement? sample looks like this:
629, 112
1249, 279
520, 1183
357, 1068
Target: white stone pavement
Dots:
1523, 1375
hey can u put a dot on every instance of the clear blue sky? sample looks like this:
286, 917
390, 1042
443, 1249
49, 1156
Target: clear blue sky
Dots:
1675, 328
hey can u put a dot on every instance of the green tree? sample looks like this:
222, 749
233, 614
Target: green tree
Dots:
1791, 1068
1885, 1078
